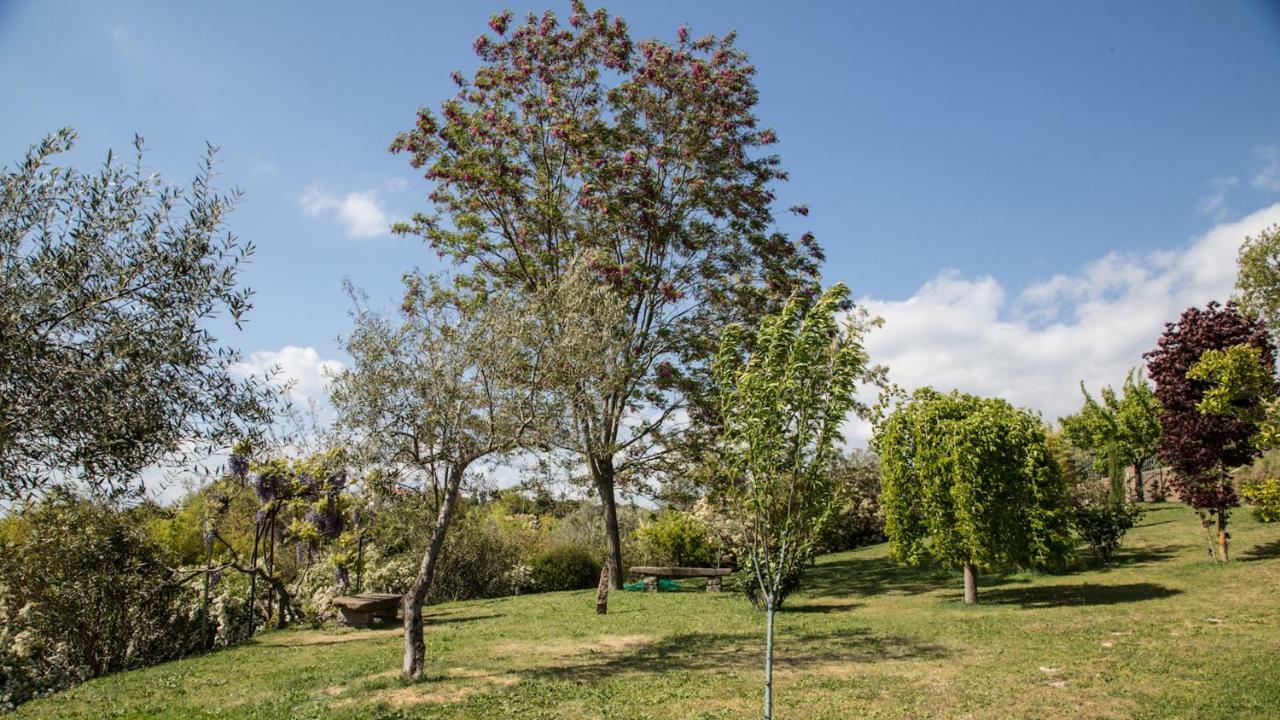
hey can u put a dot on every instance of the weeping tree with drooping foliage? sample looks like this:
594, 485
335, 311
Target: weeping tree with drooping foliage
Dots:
970, 483
573, 145
783, 396
1201, 442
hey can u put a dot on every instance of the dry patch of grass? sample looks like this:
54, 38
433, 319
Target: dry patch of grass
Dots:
456, 686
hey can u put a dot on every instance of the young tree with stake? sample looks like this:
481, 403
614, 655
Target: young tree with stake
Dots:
783, 396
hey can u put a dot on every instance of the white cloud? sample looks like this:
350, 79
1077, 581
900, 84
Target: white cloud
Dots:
301, 366
1214, 204
1268, 177
361, 213
966, 333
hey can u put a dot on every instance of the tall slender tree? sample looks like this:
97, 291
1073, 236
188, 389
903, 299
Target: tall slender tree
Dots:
572, 145
783, 405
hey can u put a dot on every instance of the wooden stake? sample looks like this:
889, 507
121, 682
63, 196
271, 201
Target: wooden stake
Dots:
602, 592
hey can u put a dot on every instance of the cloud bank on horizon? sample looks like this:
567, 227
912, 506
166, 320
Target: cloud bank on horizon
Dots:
1034, 348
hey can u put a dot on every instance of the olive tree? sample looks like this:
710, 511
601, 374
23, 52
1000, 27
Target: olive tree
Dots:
572, 144
428, 396
783, 397
108, 281
970, 483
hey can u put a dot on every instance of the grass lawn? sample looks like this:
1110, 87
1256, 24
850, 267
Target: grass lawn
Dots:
1164, 634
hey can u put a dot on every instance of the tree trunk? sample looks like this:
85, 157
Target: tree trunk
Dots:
970, 585
768, 657
415, 649
206, 638
1224, 538
602, 470
1139, 491
1206, 522
253, 579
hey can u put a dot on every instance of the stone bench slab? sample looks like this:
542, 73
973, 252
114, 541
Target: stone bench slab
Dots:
360, 610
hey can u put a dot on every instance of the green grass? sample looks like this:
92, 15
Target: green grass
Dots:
1163, 634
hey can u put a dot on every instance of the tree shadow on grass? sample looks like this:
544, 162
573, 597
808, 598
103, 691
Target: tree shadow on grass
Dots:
1126, 558
820, 608
1269, 551
1050, 596
881, 575
723, 652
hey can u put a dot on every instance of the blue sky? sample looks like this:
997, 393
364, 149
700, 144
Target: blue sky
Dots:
1025, 191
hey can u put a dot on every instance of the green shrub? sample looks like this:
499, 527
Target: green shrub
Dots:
485, 555
1103, 525
744, 581
567, 567
84, 591
675, 538
859, 519
1264, 496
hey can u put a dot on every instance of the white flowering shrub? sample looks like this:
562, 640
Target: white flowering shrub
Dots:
84, 591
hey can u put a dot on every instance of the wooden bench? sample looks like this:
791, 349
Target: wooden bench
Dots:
360, 610
652, 574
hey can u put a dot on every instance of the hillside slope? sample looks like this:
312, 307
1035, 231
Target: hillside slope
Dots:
1164, 633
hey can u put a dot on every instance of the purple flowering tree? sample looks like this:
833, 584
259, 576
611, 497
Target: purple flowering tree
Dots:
573, 146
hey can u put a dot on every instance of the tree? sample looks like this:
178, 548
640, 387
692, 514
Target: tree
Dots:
428, 397
1123, 429
1202, 447
573, 146
108, 281
1258, 276
782, 407
970, 483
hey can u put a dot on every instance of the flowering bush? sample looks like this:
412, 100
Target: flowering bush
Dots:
84, 591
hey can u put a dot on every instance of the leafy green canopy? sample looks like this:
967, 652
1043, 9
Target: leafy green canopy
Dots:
107, 282
782, 407
1122, 430
1239, 385
970, 481
1258, 276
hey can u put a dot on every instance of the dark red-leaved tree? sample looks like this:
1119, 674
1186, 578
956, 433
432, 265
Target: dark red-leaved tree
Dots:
1201, 447
574, 151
